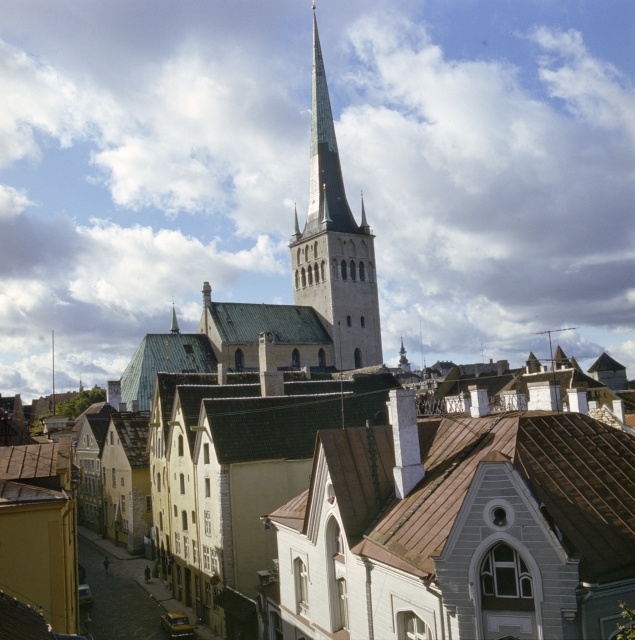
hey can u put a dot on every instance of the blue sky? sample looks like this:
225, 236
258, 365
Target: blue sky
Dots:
147, 147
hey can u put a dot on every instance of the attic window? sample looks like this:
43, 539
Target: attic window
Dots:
499, 517
189, 349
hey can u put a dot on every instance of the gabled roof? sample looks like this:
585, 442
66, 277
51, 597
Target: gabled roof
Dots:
97, 416
606, 363
242, 323
581, 470
33, 461
17, 493
283, 427
132, 430
165, 352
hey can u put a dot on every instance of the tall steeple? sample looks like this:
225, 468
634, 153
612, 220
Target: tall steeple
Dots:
175, 324
326, 173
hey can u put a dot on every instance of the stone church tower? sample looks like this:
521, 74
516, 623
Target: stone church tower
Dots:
333, 258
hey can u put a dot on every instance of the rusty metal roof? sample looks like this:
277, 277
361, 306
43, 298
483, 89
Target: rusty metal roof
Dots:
29, 461
133, 435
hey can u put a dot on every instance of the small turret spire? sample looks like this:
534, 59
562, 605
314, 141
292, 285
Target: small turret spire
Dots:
296, 229
364, 224
175, 325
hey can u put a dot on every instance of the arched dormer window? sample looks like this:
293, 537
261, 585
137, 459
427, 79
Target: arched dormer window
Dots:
321, 358
303, 277
316, 273
295, 359
353, 270
362, 272
297, 279
358, 359
412, 627
239, 360
344, 270
506, 582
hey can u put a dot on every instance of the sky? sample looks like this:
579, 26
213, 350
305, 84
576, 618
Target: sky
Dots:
149, 146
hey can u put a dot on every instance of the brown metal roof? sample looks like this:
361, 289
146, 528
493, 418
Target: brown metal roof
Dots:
29, 461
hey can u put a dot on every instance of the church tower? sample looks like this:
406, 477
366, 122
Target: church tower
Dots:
333, 258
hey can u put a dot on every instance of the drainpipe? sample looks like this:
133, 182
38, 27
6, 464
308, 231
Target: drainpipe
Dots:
369, 598
436, 592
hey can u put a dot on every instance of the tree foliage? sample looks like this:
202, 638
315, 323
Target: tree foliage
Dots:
627, 631
80, 402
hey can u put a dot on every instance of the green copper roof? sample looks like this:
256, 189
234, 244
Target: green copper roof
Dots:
165, 352
242, 323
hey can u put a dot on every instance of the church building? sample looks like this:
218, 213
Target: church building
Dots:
334, 321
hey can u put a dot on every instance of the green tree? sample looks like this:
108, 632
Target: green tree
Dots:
627, 629
80, 402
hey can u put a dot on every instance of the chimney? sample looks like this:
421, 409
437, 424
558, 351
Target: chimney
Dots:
271, 380
221, 373
408, 471
480, 401
514, 401
577, 401
114, 393
618, 410
207, 295
135, 406
544, 396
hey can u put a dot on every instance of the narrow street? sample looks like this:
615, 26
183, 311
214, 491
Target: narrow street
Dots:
121, 609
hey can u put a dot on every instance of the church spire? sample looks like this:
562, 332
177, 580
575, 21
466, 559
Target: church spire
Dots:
175, 325
325, 159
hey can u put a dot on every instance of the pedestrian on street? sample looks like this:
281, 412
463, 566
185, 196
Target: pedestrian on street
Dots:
147, 574
106, 563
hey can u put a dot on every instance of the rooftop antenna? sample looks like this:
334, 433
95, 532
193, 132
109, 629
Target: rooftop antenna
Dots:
553, 364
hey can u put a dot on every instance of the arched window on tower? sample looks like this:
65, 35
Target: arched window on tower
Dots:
322, 271
316, 273
353, 270
334, 270
321, 358
358, 359
239, 360
315, 250
344, 270
371, 272
297, 279
295, 359
362, 321
349, 322
362, 272
303, 277
299, 254
309, 273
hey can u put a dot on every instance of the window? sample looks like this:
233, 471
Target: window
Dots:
297, 279
177, 543
362, 321
122, 481
180, 445
239, 360
303, 277
148, 503
358, 359
321, 358
353, 271
194, 552
112, 438
349, 322
159, 482
182, 483
186, 548
184, 520
207, 565
316, 273
208, 488
208, 523
301, 586
275, 624
343, 603
322, 271
315, 249
295, 358
193, 516
206, 453
344, 268
362, 272
309, 274
506, 581
114, 479
412, 627
176, 511
123, 504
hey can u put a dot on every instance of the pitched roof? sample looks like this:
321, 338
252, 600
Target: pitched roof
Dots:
582, 471
12, 493
283, 427
165, 352
606, 363
238, 322
21, 622
132, 430
33, 460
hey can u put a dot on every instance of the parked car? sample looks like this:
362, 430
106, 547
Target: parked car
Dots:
85, 596
177, 624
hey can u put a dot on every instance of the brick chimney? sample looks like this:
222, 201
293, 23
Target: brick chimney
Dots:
578, 401
480, 401
544, 396
271, 380
408, 470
